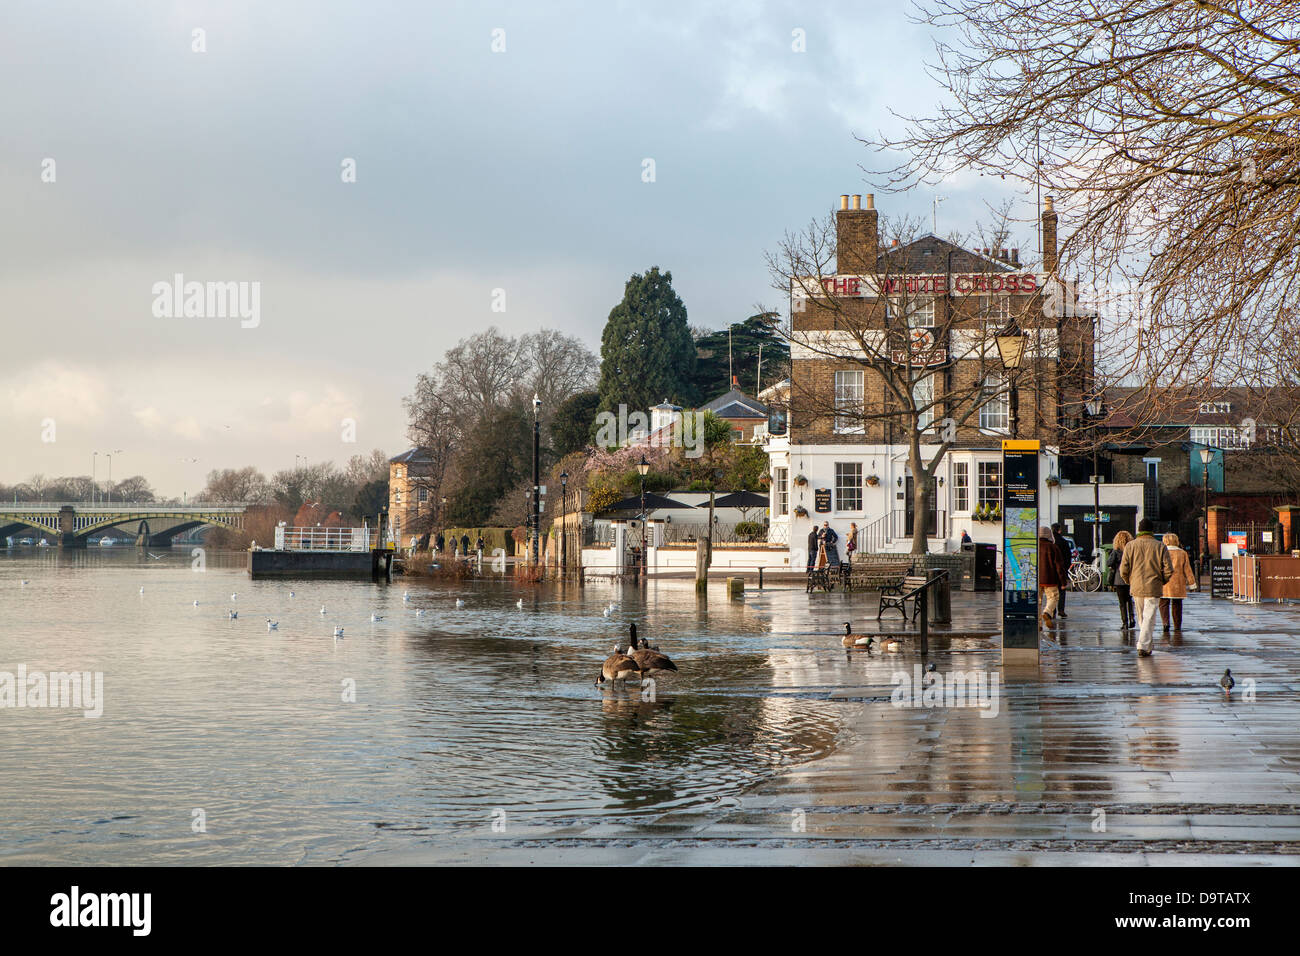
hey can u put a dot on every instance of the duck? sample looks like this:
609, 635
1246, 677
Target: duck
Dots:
1227, 683
619, 666
651, 661
272, 625
856, 640
338, 632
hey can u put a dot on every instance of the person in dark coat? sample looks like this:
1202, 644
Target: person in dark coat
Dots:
464, 545
1051, 575
442, 542
831, 540
1067, 558
814, 539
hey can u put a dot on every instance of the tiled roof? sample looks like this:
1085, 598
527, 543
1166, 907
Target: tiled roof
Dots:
413, 455
736, 404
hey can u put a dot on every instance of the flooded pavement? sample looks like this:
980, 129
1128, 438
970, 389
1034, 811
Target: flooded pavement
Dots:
1095, 757
477, 734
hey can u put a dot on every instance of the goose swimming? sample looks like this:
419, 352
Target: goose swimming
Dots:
856, 640
650, 661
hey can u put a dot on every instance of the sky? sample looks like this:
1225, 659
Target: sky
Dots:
134, 150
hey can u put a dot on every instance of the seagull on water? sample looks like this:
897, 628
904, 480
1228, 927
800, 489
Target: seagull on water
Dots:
459, 602
419, 611
520, 604
156, 557
233, 614
233, 595
406, 595
290, 594
338, 632
322, 608
142, 589
196, 603
376, 617
24, 582
272, 625
1227, 683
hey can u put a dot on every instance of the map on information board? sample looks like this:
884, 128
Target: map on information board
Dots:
1021, 549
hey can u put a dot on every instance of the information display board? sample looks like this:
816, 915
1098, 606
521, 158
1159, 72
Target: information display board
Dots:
1020, 545
1220, 578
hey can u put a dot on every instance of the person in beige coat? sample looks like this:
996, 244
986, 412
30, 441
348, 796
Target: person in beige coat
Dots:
1146, 567
1176, 587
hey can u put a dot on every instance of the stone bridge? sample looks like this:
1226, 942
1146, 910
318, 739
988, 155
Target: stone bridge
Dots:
73, 523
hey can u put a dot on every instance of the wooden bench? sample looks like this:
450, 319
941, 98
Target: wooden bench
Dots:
874, 575
824, 578
897, 595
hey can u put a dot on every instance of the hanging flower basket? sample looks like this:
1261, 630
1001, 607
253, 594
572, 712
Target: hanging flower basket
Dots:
873, 480
800, 480
1053, 481
800, 511
765, 480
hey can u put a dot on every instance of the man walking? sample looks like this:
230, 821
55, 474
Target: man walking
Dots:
1146, 567
1067, 559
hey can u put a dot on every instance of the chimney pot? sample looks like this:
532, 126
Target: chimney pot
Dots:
871, 200
735, 381
1004, 254
1015, 255
1047, 204
844, 201
895, 242
857, 202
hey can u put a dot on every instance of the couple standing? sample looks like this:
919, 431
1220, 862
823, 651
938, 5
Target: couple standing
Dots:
823, 547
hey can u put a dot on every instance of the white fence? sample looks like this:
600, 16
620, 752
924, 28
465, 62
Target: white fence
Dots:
322, 539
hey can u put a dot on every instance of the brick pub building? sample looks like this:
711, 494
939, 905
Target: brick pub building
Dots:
837, 464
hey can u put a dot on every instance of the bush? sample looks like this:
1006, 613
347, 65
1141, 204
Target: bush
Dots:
750, 530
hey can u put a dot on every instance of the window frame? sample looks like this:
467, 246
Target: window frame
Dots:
854, 426
781, 485
982, 469
960, 486
999, 399
848, 479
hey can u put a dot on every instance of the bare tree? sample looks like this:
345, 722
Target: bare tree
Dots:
558, 366
1170, 131
231, 485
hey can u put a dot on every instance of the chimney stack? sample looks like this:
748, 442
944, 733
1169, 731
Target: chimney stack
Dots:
1015, 257
856, 237
1049, 235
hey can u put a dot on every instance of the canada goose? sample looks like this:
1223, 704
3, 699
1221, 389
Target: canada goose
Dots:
618, 666
891, 644
459, 602
650, 661
338, 631
642, 643
233, 614
272, 625
856, 640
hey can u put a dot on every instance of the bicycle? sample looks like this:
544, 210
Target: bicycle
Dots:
1084, 577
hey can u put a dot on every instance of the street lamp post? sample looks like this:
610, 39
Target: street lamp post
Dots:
1207, 456
564, 528
537, 478
109, 456
94, 485
643, 469
1011, 349
1094, 409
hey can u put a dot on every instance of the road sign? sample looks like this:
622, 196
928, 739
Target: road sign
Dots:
1090, 517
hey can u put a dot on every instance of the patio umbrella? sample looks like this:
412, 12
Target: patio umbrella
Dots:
741, 499
653, 502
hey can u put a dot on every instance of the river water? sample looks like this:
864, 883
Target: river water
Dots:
458, 714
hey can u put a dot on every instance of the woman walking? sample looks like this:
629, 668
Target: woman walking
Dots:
1117, 580
853, 540
1175, 588
1051, 574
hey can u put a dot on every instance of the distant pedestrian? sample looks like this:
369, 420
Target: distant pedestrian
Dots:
1147, 568
442, 542
1175, 588
478, 546
852, 546
1117, 581
1051, 575
1067, 559
965, 538
464, 545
